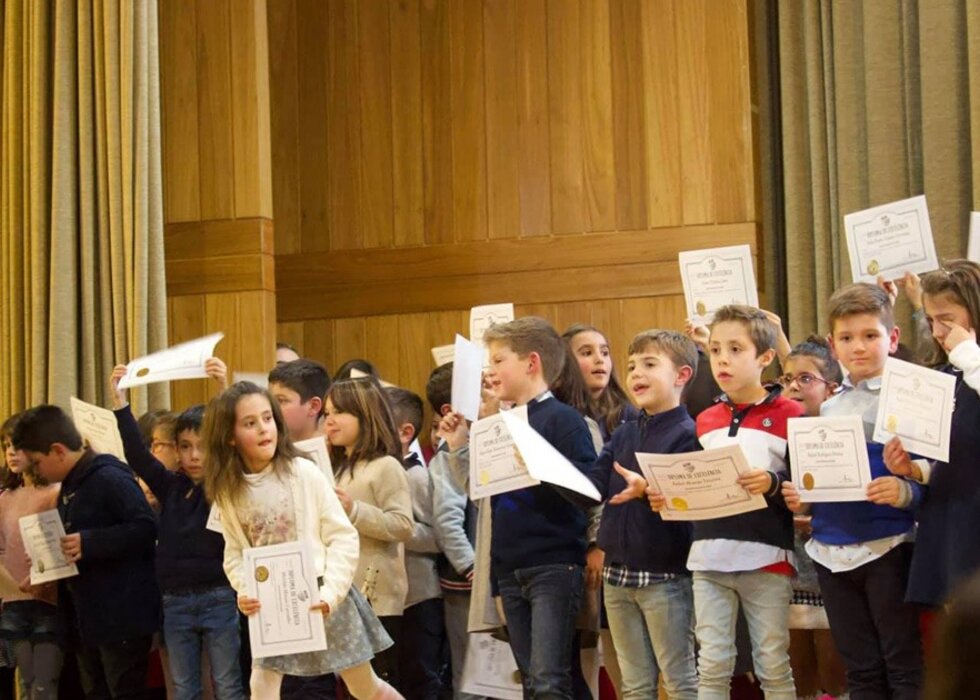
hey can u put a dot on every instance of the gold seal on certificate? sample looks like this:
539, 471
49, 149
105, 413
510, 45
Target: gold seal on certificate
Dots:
143, 371
916, 404
261, 574
873, 267
701, 308
891, 423
678, 503
808, 481
831, 456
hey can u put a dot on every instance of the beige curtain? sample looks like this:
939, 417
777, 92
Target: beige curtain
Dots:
876, 106
81, 214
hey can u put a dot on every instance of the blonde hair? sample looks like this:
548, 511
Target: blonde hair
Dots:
377, 433
531, 334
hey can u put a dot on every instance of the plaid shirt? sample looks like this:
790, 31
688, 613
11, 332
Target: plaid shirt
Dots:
619, 575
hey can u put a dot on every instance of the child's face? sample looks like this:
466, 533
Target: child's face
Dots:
191, 455
654, 381
592, 352
342, 429
942, 310
300, 418
256, 435
509, 373
807, 385
735, 364
164, 449
16, 459
862, 344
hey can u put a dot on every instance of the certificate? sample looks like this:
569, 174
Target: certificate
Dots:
490, 670
258, 378
494, 463
889, 240
714, 277
99, 428
700, 485
282, 578
829, 458
973, 243
467, 378
316, 450
443, 354
482, 317
42, 533
916, 404
184, 361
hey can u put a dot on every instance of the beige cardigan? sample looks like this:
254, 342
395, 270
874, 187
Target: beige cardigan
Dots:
382, 514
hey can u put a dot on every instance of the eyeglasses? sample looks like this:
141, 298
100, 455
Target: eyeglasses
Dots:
803, 379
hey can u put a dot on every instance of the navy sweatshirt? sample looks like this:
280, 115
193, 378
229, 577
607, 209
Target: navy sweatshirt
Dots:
631, 534
188, 554
538, 525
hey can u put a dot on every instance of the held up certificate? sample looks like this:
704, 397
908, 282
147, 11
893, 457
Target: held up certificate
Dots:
316, 449
714, 277
42, 533
98, 426
281, 576
184, 361
916, 404
890, 239
700, 485
829, 458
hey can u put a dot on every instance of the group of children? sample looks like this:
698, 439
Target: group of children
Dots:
409, 565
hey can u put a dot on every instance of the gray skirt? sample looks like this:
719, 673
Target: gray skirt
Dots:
354, 635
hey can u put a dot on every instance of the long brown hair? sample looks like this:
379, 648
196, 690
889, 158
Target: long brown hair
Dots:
960, 279
377, 434
224, 470
609, 406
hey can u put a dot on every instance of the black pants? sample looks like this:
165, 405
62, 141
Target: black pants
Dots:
115, 670
303, 687
420, 651
875, 630
386, 663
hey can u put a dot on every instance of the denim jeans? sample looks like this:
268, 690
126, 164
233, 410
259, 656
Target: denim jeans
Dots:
653, 629
207, 619
765, 601
541, 604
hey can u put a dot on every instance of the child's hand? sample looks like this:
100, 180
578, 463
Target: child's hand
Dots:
957, 334
792, 498
912, 286
454, 429
886, 491
218, 371
897, 459
322, 607
783, 346
71, 547
489, 401
594, 562
889, 288
118, 395
346, 501
635, 486
697, 332
248, 606
656, 499
756, 481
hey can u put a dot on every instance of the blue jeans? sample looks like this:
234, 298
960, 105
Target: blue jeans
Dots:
541, 604
765, 600
653, 630
210, 619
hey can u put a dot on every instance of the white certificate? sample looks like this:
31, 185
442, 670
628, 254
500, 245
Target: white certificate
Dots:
98, 426
482, 317
282, 578
443, 354
494, 463
490, 670
829, 458
916, 404
715, 277
973, 243
467, 377
316, 450
184, 361
700, 485
214, 520
890, 240
42, 533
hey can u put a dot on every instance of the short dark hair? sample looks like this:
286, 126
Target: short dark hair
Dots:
762, 332
306, 377
151, 420
819, 350
343, 372
675, 345
439, 388
531, 334
42, 426
406, 407
190, 419
861, 298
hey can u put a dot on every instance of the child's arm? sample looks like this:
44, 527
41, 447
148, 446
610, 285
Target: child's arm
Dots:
147, 467
783, 346
135, 531
900, 463
964, 354
342, 545
423, 539
391, 520
449, 508
896, 492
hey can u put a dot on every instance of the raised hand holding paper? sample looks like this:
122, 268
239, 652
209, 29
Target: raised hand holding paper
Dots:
890, 240
316, 450
183, 361
467, 377
98, 426
714, 277
829, 458
443, 354
916, 404
42, 533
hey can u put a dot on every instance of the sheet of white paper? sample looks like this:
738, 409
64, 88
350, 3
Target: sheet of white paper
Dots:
973, 243
715, 277
42, 533
700, 485
281, 576
416, 449
494, 464
490, 670
316, 449
443, 354
184, 361
98, 426
916, 404
214, 520
890, 240
829, 458
359, 374
482, 317
467, 377
257, 378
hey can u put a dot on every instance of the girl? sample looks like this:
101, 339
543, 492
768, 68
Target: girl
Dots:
947, 547
29, 618
374, 492
267, 494
812, 376
610, 404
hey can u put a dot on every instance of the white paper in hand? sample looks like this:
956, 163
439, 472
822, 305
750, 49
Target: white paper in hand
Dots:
98, 426
184, 361
316, 449
467, 377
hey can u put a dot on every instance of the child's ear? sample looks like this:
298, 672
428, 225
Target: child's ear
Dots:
445, 409
406, 433
766, 358
533, 362
893, 337
316, 406
684, 375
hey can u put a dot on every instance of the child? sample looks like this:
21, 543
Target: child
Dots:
300, 387
199, 606
29, 620
157, 430
646, 584
610, 404
420, 653
744, 559
374, 491
862, 549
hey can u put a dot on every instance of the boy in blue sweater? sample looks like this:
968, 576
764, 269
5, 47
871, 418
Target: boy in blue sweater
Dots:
537, 542
862, 550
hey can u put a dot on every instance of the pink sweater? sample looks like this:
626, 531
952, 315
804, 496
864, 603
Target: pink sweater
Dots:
15, 504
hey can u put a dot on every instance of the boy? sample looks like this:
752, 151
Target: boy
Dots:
862, 550
646, 584
300, 387
537, 540
112, 608
421, 645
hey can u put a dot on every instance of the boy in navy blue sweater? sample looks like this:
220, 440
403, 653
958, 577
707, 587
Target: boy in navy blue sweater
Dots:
537, 548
